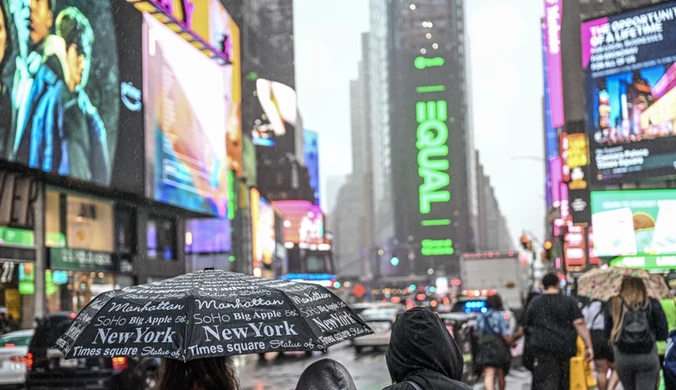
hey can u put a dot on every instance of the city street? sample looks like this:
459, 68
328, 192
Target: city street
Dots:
368, 370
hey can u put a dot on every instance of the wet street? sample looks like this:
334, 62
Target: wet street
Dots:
368, 370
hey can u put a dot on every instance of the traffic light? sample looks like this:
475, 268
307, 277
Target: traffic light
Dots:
547, 254
394, 261
526, 242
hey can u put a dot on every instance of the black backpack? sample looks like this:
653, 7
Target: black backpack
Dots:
635, 336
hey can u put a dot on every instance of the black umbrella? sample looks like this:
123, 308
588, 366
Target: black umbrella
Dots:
210, 313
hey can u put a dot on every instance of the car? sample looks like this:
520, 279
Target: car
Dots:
13, 350
381, 320
48, 369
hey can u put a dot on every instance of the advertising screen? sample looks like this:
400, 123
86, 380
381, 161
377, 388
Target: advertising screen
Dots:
311, 150
185, 123
72, 118
276, 119
630, 78
210, 235
554, 75
303, 222
634, 223
262, 230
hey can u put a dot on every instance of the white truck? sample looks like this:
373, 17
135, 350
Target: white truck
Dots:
502, 272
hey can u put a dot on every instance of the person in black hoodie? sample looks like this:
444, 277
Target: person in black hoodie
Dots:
422, 355
326, 374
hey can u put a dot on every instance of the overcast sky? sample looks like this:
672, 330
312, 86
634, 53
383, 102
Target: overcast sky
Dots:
506, 62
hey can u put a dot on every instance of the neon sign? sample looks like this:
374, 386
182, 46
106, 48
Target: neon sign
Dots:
432, 136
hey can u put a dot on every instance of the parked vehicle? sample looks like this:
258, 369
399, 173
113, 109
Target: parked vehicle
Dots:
13, 350
381, 320
47, 368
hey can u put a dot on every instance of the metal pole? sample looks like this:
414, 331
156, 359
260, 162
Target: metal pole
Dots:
40, 255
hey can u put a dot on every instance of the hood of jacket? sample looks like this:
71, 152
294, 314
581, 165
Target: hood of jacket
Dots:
420, 342
326, 374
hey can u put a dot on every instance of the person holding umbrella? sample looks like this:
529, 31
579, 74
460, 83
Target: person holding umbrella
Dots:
202, 374
196, 322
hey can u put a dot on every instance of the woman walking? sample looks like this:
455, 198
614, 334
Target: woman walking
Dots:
633, 324
493, 357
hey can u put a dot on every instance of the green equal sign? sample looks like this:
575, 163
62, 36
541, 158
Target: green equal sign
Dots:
422, 62
431, 88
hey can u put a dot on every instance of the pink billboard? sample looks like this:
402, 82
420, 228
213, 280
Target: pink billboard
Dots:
303, 222
552, 31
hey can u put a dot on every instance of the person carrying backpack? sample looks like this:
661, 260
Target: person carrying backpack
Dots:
633, 324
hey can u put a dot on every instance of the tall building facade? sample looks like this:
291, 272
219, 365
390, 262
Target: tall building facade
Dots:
492, 233
431, 157
379, 44
353, 213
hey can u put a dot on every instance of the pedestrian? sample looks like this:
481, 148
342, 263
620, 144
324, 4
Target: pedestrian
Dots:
594, 317
553, 322
669, 308
201, 374
326, 374
634, 323
423, 355
493, 356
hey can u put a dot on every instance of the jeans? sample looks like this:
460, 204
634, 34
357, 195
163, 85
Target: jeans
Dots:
550, 372
637, 371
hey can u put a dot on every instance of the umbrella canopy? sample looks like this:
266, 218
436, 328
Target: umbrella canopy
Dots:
210, 313
603, 284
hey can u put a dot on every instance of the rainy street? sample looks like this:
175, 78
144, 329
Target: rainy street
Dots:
368, 370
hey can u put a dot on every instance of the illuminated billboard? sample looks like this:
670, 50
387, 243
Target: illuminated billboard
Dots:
72, 118
275, 124
635, 225
303, 222
630, 78
311, 151
262, 230
430, 170
185, 123
208, 236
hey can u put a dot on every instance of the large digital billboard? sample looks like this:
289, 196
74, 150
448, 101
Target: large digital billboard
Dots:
430, 169
554, 75
635, 225
303, 222
630, 68
185, 123
70, 100
311, 151
262, 230
277, 116
208, 236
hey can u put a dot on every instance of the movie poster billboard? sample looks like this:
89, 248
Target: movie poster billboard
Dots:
185, 123
70, 98
630, 68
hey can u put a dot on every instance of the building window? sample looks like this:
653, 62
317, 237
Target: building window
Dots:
161, 238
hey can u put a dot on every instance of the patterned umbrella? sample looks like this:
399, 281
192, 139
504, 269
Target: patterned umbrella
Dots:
603, 284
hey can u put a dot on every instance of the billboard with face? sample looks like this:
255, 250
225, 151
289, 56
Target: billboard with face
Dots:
70, 89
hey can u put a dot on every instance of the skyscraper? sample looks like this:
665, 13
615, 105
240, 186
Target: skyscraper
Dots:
428, 134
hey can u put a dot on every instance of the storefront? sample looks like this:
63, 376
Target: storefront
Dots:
89, 249
17, 241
